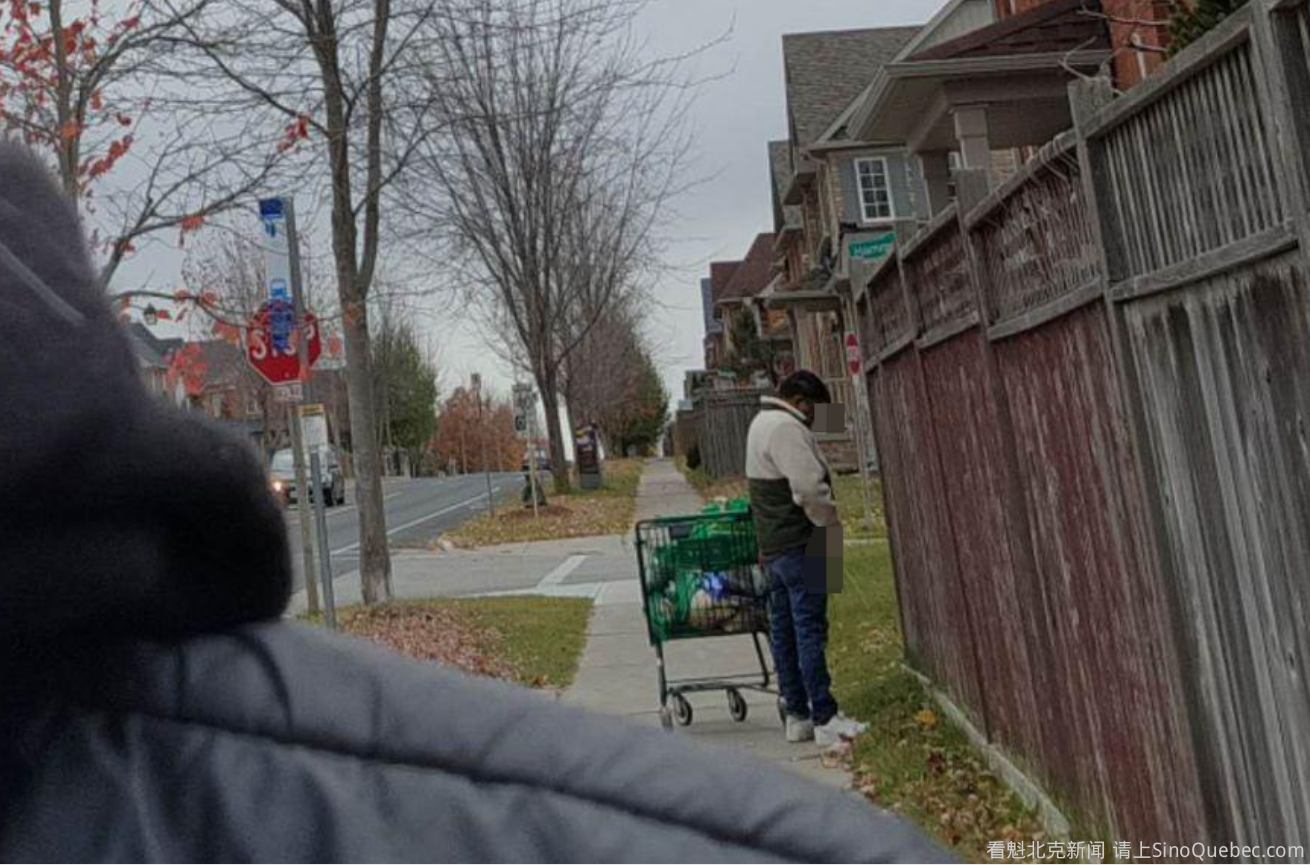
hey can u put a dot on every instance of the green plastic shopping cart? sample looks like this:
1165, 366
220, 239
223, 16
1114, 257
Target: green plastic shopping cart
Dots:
700, 577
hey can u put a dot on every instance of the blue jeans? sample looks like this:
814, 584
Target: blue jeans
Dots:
799, 626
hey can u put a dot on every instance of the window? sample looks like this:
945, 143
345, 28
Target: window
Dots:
875, 189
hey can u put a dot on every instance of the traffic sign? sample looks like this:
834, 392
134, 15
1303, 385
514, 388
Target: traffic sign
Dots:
853, 361
313, 422
525, 404
278, 360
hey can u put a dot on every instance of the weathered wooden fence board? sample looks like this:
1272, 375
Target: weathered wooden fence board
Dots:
725, 419
938, 631
1096, 573
1001, 590
1109, 469
1192, 172
1225, 368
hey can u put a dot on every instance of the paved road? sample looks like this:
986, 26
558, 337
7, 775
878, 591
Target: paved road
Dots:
417, 511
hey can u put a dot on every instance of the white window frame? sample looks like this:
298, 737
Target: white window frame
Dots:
887, 187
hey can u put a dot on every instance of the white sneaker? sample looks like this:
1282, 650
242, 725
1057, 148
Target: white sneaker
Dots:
799, 730
838, 731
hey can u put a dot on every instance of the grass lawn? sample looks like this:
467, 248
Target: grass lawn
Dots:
912, 761
542, 638
606, 511
850, 504
528, 640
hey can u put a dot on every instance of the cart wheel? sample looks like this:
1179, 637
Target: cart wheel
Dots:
736, 706
666, 718
682, 710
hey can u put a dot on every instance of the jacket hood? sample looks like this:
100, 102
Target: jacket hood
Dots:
119, 516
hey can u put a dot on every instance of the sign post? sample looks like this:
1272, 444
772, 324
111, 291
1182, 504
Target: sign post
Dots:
282, 356
325, 557
525, 422
855, 366
482, 434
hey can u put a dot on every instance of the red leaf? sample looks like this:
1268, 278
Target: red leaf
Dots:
227, 333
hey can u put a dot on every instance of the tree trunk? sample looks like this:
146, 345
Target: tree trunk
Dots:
554, 431
65, 120
374, 557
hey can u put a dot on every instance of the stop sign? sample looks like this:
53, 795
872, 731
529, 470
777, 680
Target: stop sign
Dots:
273, 352
853, 360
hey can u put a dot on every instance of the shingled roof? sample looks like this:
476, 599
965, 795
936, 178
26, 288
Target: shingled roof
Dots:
780, 172
1058, 26
755, 272
826, 71
721, 274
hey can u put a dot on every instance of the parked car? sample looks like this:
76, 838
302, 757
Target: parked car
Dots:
332, 480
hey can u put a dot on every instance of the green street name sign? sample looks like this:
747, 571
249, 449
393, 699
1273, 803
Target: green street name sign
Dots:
874, 249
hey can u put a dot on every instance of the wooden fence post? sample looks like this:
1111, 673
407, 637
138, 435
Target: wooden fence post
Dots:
1283, 52
1086, 99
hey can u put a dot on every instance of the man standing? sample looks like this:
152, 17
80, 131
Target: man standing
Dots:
795, 522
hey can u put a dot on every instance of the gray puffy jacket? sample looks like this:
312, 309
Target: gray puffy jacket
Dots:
156, 708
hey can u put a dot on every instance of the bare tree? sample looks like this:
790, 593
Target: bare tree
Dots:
87, 86
557, 149
336, 71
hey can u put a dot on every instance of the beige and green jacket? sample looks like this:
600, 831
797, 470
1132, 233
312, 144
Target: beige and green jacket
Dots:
790, 484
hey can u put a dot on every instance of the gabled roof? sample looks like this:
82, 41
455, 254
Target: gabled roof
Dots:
721, 274
150, 350
225, 363
1043, 47
780, 172
956, 18
1061, 25
825, 71
755, 273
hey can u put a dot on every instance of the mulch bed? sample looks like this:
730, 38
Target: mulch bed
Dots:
431, 633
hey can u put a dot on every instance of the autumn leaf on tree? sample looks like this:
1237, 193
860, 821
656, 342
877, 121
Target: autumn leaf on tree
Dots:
296, 132
228, 333
190, 224
187, 365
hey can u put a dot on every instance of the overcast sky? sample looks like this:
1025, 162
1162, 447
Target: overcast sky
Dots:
734, 117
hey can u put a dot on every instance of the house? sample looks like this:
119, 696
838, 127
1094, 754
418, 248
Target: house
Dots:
757, 341
721, 274
984, 99
1138, 30
832, 190
152, 354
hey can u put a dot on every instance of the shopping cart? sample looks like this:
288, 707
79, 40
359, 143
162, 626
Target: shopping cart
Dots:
700, 577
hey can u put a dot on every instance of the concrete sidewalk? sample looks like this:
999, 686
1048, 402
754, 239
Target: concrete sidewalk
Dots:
618, 675
596, 567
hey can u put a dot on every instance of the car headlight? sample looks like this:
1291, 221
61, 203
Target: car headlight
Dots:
278, 486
